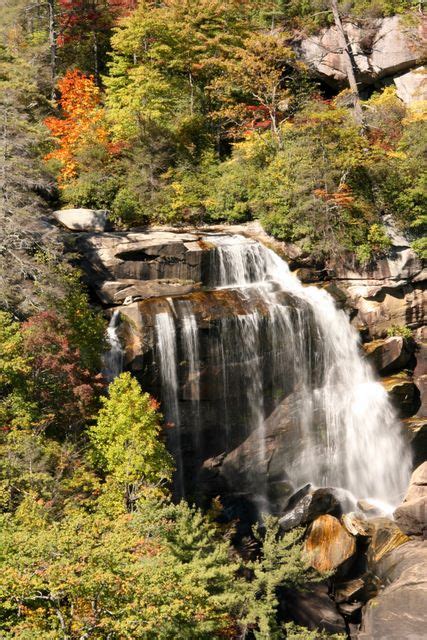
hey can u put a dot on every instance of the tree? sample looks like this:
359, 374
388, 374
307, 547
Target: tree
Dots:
281, 563
256, 88
350, 64
91, 574
82, 123
125, 439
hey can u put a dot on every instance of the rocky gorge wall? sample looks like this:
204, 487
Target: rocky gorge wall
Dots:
379, 584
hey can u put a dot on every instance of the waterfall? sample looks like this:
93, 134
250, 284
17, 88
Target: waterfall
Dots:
358, 446
113, 358
167, 351
190, 340
280, 340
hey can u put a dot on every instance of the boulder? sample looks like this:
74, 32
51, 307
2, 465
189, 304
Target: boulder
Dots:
385, 536
403, 394
328, 544
389, 355
381, 48
412, 86
356, 524
311, 607
411, 515
398, 611
306, 505
416, 432
92, 220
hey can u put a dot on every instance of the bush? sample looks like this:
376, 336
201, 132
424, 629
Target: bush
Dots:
399, 330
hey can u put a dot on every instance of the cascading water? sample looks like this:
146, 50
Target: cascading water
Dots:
166, 345
190, 343
283, 339
113, 358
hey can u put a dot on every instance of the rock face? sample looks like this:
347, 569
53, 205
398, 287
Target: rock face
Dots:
385, 536
313, 608
412, 86
392, 291
416, 432
399, 611
411, 515
384, 48
328, 545
306, 505
403, 393
82, 219
389, 355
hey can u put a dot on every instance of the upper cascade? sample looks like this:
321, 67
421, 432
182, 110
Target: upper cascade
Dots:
257, 366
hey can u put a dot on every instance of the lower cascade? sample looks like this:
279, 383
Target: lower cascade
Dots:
263, 376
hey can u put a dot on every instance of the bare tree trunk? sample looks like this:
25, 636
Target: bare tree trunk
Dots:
350, 64
52, 44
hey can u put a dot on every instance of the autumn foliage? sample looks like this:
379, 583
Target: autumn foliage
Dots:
82, 122
66, 390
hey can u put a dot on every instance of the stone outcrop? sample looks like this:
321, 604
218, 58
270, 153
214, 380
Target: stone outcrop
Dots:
328, 544
403, 394
416, 432
389, 355
412, 86
144, 256
381, 48
389, 292
411, 515
131, 290
88, 220
399, 611
304, 506
385, 536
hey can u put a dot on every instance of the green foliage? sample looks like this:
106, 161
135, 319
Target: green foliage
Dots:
399, 330
86, 325
116, 576
281, 563
294, 632
50, 473
125, 438
17, 404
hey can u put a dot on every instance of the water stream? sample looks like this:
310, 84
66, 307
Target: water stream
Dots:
285, 338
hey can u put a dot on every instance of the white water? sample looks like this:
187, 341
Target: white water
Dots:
360, 447
113, 359
349, 432
166, 345
190, 340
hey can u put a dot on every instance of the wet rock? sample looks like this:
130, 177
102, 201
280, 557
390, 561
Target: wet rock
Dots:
411, 515
416, 432
369, 508
420, 374
356, 524
403, 393
381, 48
399, 611
311, 607
328, 545
412, 86
389, 355
82, 219
306, 505
385, 536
